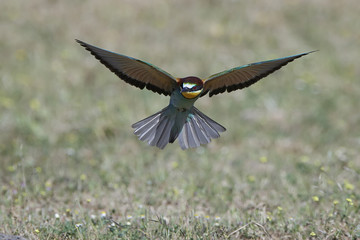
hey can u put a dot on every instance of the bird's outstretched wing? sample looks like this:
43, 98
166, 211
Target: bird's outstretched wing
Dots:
244, 76
133, 71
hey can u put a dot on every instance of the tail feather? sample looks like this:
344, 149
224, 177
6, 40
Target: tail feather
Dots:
183, 139
164, 138
158, 130
209, 126
145, 127
148, 133
193, 139
173, 135
198, 129
162, 133
209, 121
203, 137
145, 133
155, 129
168, 124
143, 122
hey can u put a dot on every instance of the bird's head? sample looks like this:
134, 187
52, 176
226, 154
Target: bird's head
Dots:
190, 87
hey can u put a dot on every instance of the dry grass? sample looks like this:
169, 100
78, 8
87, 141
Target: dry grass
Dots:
288, 166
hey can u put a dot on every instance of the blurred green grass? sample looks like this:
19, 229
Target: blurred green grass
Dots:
67, 148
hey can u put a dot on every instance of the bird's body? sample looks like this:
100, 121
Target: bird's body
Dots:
180, 119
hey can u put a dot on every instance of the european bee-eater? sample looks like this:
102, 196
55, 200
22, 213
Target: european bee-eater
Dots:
180, 119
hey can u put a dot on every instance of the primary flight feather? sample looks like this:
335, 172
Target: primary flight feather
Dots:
180, 119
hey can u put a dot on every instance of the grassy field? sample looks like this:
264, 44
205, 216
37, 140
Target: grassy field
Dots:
287, 167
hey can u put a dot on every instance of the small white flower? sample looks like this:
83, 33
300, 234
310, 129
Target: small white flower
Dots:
70, 152
165, 220
128, 223
78, 225
93, 216
57, 216
129, 217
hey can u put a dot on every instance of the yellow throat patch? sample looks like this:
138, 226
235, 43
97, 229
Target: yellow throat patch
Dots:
191, 94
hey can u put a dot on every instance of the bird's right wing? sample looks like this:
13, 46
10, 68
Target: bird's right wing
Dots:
134, 71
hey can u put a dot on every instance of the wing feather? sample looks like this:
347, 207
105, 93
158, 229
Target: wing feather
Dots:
244, 76
134, 71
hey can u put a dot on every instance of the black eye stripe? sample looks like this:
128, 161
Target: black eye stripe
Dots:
191, 86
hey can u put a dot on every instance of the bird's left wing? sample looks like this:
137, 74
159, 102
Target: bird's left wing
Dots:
244, 76
134, 71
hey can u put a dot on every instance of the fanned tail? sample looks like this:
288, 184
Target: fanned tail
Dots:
198, 129
155, 129
192, 128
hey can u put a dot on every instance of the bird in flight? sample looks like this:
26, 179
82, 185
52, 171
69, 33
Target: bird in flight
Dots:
180, 119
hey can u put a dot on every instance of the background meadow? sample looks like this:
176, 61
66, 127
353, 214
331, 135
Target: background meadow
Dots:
288, 165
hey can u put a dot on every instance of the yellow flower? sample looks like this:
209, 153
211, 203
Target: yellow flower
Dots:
103, 214
83, 177
312, 234
11, 168
263, 159
174, 164
350, 202
175, 192
251, 178
35, 104
48, 183
335, 202
315, 198
330, 182
304, 159
324, 169
348, 185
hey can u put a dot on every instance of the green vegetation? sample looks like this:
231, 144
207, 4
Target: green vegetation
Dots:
287, 167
